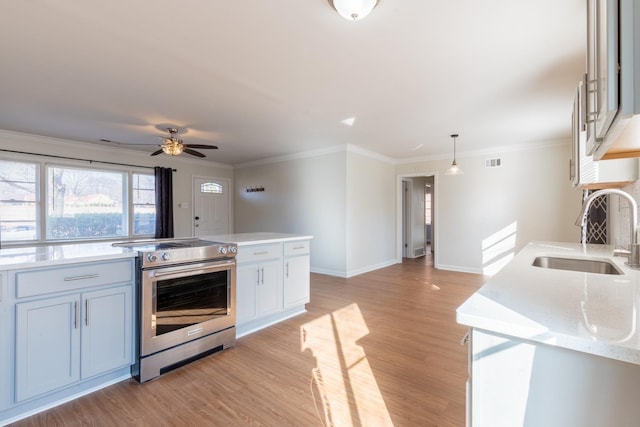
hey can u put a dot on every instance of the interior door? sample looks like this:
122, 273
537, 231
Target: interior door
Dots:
211, 206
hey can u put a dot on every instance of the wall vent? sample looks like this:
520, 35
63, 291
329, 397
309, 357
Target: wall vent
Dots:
418, 252
493, 163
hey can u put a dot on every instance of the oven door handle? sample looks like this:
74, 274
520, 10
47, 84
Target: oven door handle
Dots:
192, 269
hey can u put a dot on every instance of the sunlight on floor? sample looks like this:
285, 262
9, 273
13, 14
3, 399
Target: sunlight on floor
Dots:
343, 379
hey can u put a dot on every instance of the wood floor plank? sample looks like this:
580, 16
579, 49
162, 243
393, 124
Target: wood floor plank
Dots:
381, 348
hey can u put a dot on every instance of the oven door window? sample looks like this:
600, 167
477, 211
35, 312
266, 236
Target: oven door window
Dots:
185, 301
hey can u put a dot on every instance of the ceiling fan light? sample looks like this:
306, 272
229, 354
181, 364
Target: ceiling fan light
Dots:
173, 148
354, 10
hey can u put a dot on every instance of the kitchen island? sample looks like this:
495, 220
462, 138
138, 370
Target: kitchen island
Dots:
273, 282
554, 347
67, 324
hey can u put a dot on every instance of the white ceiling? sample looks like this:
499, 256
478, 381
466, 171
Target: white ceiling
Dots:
269, 78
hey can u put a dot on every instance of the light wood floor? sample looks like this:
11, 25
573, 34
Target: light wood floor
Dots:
379, 349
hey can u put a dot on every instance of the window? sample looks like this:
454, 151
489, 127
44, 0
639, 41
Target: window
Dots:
144, 204
427, 206
83, 203
211, 187
19, 201
77, 203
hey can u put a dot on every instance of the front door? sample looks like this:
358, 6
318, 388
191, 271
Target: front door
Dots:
211, 206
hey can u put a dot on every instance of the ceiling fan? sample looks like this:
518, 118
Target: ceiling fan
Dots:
172, 145
175, 146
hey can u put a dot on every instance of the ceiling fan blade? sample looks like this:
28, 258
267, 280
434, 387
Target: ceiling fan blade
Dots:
155, 153
192, 152
109, 141
210, 147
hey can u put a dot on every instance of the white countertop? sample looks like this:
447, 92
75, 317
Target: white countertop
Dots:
587, 312
243, 239
42, 256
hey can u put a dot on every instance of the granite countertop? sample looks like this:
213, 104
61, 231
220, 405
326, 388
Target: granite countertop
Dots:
588, 312
243, 239
42, 256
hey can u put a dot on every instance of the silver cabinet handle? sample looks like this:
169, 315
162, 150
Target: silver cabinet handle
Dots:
258, 281
262, 280
86, 276
77, 315
287, 273
298, 247
261, 253
86, 312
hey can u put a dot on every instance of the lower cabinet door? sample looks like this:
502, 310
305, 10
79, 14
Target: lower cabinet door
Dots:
246, 283
106, 330
296, 281
47, 345
270, 288
258, 290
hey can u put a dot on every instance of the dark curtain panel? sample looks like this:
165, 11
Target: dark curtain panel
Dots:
164, 202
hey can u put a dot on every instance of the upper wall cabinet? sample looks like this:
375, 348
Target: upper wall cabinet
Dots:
584, 172
612, 81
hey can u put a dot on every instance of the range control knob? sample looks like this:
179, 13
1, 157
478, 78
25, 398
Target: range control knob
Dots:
152, 258
222, 250
166, 256
233, 249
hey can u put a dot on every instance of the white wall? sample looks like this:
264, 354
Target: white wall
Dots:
303, 195
370, 212
182, 178
343, 197
486, 215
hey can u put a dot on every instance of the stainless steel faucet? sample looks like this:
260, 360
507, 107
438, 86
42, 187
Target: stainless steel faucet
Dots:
634, 249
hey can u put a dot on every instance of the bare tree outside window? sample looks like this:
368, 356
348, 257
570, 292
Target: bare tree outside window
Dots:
83, 203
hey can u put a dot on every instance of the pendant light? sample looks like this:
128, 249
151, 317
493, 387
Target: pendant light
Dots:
354, 10
454, 169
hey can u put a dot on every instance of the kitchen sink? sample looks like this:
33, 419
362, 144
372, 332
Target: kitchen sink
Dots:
585, 265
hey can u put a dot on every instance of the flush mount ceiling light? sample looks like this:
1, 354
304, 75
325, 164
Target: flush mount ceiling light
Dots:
454, 169
353, 10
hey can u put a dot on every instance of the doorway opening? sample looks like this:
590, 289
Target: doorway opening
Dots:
417, 218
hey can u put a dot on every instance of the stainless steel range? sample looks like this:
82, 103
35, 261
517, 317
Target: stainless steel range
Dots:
186, 302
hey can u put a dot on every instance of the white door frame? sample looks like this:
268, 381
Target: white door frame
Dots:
229, 181
435, 215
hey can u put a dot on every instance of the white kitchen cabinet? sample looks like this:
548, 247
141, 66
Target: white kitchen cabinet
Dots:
62, 340
602, 68
272, 283
107, 330
258, 290
611, 82
296, 283
47, 345
71, 324
516, 382
585, 173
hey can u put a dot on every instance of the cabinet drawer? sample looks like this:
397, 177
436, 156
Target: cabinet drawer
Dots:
69, 278
296, 248
259, 252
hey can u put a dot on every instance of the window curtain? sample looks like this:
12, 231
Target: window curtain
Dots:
164, 202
